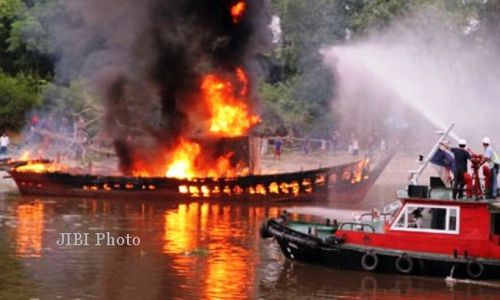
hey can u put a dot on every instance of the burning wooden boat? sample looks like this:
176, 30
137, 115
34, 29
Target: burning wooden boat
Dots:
426, 233
49, 178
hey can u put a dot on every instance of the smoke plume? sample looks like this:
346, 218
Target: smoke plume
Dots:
146, 59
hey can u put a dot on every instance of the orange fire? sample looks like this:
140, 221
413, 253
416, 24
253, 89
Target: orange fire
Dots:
37, 166
41, 167
185, 163
183, 158
230, 116
237, 11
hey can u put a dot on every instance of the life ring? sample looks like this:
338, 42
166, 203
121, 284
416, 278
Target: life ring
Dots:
369, 261
474, 269
404, 264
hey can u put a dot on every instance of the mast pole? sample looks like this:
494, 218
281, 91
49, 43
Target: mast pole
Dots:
415, 174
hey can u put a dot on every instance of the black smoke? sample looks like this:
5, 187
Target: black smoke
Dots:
146, 59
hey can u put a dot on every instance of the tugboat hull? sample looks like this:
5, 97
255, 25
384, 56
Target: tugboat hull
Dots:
332, 252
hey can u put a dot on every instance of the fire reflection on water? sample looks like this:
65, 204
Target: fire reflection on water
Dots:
30, 229
205, 241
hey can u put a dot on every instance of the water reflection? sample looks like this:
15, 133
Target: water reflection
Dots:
291, 280
29, 233
215, 243
187, 251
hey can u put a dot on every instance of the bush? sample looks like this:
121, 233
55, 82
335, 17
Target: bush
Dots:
18, 95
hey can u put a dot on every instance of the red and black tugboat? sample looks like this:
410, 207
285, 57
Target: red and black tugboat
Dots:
424, 233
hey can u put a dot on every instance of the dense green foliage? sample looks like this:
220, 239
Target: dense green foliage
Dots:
19, 94
23, 39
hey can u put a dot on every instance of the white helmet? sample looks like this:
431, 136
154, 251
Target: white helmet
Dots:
462, 142
486, 140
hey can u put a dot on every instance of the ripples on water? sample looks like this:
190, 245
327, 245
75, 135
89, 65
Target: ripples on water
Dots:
187, 251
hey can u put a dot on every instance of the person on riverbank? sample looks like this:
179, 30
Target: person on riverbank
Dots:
354, 145
278, 144
493, 163
306, 146
4, 143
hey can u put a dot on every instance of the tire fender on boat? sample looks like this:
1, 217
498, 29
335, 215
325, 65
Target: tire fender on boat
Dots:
404, 264
474, 269
264, 230
369, 261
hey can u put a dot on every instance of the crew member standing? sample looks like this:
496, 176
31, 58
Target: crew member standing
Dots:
4, 143
462, 156
493, 163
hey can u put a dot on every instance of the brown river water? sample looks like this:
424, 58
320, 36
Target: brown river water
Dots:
187, 251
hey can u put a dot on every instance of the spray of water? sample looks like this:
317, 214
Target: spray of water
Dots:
446, 71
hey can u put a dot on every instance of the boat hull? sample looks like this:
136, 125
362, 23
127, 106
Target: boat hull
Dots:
348, 182
333, 253
90, 186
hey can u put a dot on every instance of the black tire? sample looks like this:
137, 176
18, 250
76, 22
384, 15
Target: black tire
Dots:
369, 261
474, 269
264, 230
404, 264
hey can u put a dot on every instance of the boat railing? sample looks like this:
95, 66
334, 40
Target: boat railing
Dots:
374, 217
353, 226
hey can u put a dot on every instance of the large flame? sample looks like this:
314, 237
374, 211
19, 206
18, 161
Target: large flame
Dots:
237, 11
230, 115
183, 159
186, 163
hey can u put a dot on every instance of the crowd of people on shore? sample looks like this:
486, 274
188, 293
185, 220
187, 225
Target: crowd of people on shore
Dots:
307, 145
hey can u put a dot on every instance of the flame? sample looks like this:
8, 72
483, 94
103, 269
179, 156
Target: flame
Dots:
35, 165
184, 163
42, 167
26, 155
237, 11
243, 78
230, 114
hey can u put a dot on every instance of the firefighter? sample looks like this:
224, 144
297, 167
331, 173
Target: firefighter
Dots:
493, 164
462, 156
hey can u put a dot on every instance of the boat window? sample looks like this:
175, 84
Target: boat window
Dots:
453, 219
402, 221
428, 218
495, 223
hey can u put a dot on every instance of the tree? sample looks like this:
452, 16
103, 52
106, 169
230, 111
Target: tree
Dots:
18, 95
73, 101
28, 39
299, 92
10, 10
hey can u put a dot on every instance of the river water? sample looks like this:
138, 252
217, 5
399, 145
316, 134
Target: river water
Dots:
187, 251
